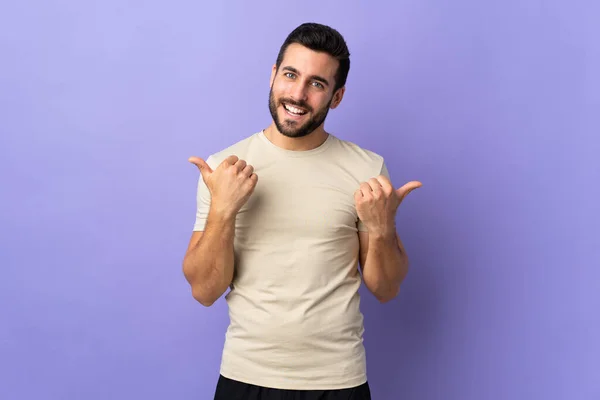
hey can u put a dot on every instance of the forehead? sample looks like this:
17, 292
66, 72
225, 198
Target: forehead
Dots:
310, 62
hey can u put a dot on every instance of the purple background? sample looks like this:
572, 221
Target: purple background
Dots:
494, 106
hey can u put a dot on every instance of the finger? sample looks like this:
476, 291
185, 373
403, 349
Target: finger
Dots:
365, 189
253, 179
375, 186
407, 188
248, 170
232, 159
204, 168
251, 183
383, 180
385, 183
240, 165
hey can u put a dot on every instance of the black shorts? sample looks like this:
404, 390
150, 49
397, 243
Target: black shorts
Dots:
228, 389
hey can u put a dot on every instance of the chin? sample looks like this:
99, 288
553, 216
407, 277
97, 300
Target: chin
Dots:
292, 127
293, 133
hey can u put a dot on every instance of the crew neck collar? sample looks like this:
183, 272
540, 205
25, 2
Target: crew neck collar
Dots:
297, 153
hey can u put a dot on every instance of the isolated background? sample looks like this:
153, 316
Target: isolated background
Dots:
494, 106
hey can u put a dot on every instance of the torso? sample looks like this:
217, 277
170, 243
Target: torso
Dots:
294, 304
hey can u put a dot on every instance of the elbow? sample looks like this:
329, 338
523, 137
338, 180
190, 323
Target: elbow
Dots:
388, 295
383, 290
204, 302
202, 297
199, 293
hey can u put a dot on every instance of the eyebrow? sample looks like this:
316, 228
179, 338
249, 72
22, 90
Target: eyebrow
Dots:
315, 77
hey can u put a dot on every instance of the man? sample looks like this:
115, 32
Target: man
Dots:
284, 217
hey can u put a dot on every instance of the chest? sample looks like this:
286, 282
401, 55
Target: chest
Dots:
295, 203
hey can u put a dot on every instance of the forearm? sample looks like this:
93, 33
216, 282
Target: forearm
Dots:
386, 265
209, 265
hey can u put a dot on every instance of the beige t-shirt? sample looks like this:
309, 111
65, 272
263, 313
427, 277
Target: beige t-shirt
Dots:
295, 321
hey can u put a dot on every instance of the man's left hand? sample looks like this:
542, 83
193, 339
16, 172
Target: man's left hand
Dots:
377, 202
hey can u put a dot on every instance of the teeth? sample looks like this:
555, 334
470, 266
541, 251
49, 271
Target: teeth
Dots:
294, 110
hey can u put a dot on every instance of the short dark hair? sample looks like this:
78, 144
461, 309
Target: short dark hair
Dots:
321, 38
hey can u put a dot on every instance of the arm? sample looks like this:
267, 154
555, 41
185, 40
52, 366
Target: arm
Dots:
209, 260
383, 259
383, 262
208, 264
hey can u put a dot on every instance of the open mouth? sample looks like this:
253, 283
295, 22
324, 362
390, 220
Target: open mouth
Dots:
294, 111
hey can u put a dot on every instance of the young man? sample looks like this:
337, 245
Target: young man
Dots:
284, 217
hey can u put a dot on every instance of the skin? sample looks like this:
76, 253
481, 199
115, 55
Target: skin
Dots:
382, 255
209, 260
306, 80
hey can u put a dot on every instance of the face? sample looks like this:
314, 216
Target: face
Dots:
302, 91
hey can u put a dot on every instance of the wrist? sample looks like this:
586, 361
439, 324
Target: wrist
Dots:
383, 233
221, 215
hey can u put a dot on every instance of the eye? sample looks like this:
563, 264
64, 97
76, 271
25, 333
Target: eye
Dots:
318, 84
289, 75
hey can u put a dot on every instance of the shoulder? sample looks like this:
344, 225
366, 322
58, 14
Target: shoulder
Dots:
240, 149
360, 156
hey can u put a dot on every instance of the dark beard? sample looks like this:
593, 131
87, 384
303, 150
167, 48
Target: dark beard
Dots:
290, 128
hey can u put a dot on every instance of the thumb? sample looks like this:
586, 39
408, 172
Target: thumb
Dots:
204, 168
407, 188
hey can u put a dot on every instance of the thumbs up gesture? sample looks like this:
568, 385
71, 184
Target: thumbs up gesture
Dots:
377, 201
231, 184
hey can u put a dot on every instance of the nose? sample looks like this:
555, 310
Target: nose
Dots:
298, 91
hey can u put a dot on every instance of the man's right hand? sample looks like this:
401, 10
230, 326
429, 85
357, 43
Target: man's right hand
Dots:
230, 184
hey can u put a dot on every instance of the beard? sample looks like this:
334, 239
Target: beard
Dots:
291, 128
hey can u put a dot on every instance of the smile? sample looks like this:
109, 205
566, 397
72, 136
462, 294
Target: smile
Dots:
295, 111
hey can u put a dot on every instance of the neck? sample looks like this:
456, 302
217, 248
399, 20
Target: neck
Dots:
308, 142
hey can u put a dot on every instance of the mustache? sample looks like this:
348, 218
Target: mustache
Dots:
295, 103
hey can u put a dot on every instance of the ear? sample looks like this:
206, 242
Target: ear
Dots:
337, 97
273, 72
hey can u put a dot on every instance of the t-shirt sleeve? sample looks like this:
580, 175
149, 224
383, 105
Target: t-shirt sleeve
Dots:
384, 171
202, 202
